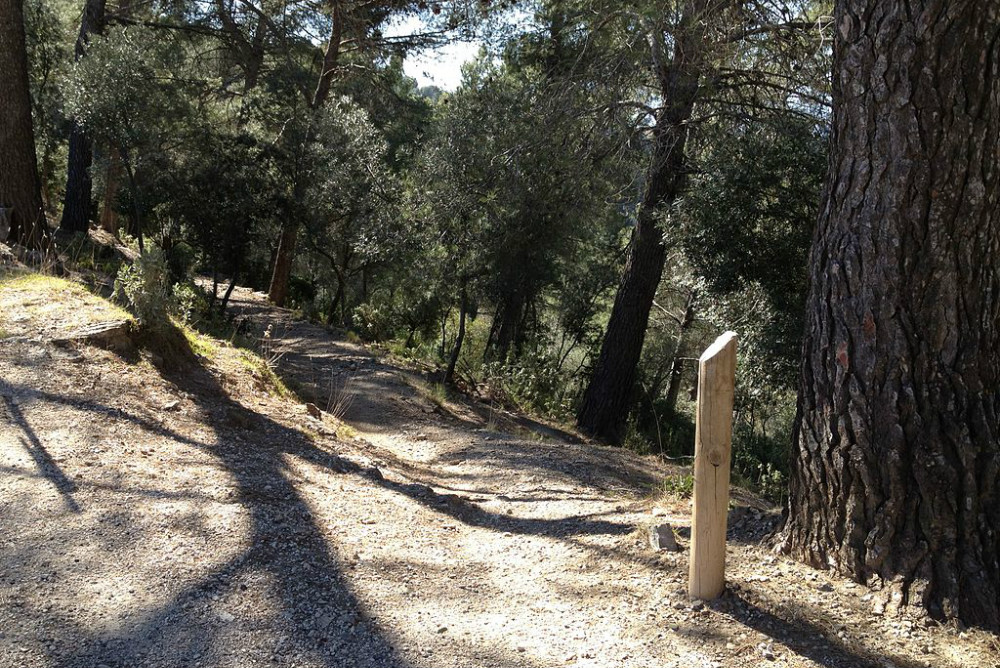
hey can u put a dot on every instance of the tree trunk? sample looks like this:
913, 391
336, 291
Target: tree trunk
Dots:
507, 325
677, 364
335, 304
79, 185
229, 291
331, 57
896, 457
77, 207
112, 179
459, 338
20, 188
607, 398
278, 291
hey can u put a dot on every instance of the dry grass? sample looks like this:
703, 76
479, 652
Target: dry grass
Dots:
34, 304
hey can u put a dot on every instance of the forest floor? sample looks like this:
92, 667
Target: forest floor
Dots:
173, 508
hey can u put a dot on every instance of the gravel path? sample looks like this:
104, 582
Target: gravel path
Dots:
157, 516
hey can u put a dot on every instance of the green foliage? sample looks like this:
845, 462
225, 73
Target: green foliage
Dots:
124, 91
514, 195
372, 322
533, 383
143, 288
190, 303
748, 224
681, 485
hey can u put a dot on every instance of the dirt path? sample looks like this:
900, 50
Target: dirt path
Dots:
187, 517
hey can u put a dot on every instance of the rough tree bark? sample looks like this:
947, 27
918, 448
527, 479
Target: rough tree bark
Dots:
607, 398
77, 206
896, 460
20, 187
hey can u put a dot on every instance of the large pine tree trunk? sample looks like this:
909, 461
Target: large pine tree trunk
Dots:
77, 207
20, 188
608, 395
896, 468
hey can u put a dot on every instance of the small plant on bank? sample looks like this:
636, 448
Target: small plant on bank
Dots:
189, 303
681, 485
142, 286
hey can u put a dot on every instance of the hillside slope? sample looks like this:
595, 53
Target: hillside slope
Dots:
166, 503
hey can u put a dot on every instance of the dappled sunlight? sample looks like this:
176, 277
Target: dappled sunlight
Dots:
123, 504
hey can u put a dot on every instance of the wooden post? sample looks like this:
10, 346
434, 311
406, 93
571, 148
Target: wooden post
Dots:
712, 450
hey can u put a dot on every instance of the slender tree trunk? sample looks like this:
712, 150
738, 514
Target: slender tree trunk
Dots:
335, 304
896, 458
77, 207
229, 291
20, 188
331, 57
444, 333
278, 290
79, 185
112, 180
677, 364
608, 396
507, 325
459, 338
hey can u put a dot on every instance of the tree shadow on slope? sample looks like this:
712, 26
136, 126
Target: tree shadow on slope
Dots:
323, 621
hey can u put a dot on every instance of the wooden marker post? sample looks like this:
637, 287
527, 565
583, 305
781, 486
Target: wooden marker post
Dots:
712, 451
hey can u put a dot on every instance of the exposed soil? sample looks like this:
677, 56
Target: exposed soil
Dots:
158, 510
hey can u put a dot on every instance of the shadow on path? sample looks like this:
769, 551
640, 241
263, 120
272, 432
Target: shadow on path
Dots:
43, 460
321, 619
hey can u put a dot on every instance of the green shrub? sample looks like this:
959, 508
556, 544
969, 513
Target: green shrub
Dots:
372, 322
190, 304
533, 383
142, 286
681, 485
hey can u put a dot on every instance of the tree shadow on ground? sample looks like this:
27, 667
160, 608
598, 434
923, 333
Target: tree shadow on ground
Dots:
324, 622
609, 471
43, 460
472, 515
792, 628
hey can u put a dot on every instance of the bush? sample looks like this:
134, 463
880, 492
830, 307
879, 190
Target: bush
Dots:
760, 462
189, 303
533, 383
142, 287
373, 322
